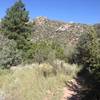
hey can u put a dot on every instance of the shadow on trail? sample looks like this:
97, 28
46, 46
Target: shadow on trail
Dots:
75, 86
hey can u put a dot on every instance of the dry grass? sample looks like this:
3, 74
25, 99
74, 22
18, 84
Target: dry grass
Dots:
31, 84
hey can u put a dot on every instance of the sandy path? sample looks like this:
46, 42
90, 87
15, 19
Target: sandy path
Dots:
71, 90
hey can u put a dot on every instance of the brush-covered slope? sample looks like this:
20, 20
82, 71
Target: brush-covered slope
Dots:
63, 32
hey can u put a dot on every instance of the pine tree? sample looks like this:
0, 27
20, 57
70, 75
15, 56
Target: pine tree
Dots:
14, 24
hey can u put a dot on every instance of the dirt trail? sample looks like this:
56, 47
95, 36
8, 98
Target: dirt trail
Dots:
72, 89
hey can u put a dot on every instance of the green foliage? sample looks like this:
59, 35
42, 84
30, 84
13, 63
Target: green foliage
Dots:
16, 28
41, 51
97, 28
88, 50
88, 55
59, 51
9, 55
15, 24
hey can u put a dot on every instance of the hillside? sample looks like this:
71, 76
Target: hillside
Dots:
48, 37
63, 32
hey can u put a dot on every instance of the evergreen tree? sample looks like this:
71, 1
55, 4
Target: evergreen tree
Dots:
14, 24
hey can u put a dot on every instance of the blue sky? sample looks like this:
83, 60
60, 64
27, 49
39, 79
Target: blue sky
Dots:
83, 11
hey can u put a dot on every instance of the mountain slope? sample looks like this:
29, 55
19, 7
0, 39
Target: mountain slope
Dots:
62, 32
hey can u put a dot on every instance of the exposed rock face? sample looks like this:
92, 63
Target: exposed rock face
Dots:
70, 27
41, 20
64, 27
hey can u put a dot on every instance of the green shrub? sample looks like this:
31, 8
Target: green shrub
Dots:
9, 55
88, 55
88, 50
42, 50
